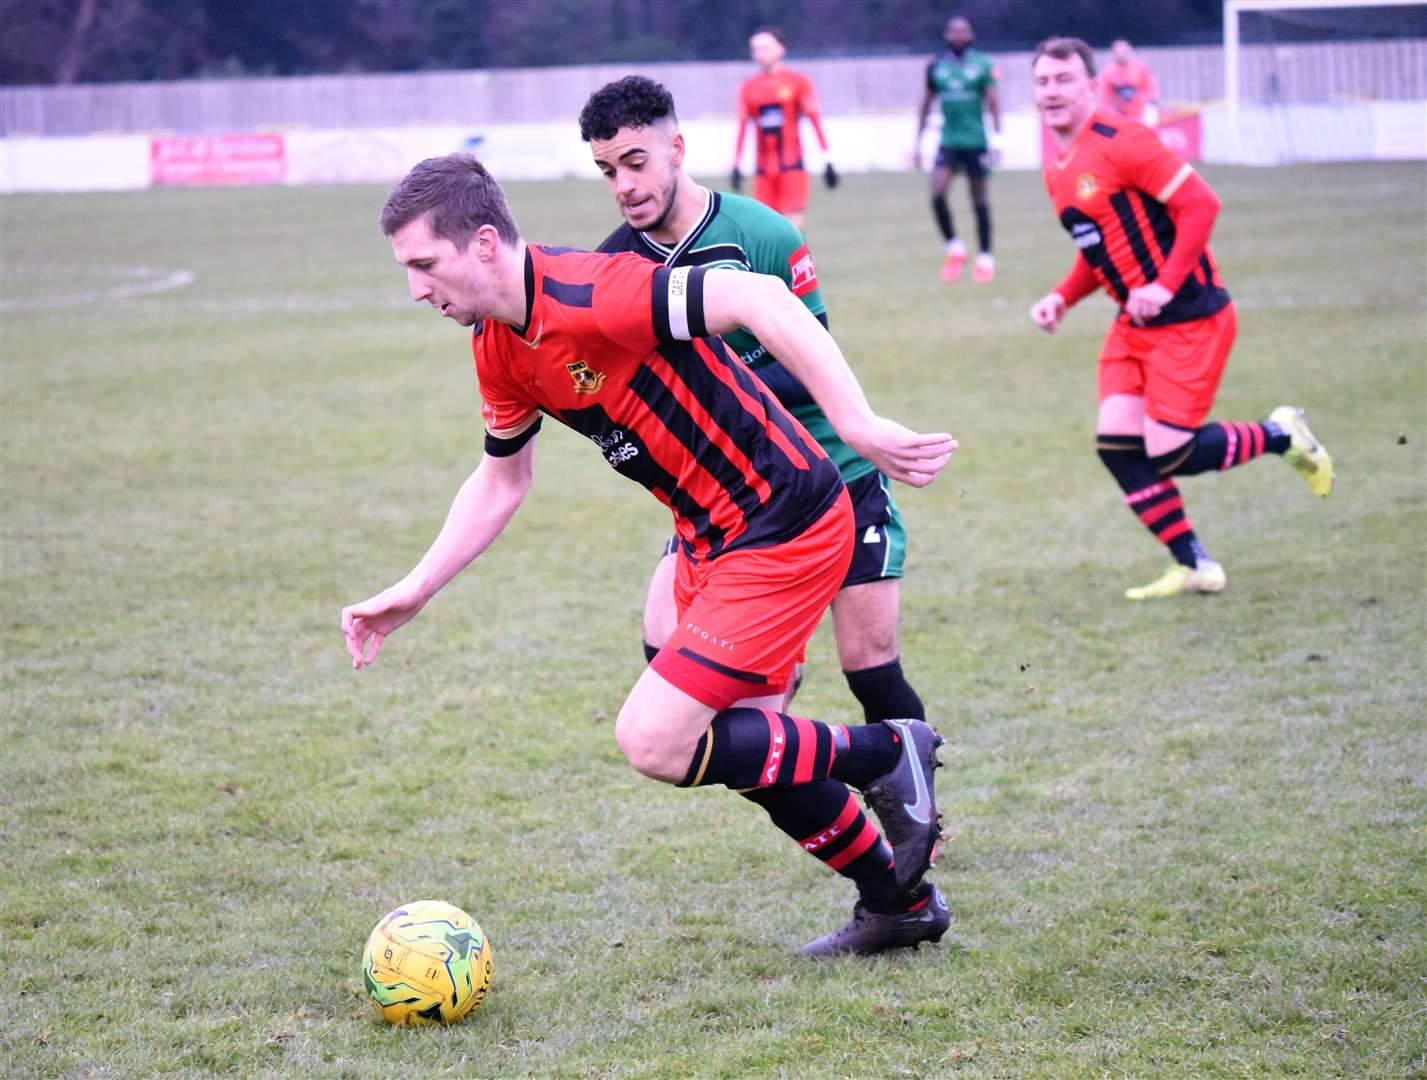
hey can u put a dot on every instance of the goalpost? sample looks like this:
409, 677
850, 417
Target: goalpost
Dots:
1233, 9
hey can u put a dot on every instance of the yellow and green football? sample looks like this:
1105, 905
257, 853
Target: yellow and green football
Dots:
427, 963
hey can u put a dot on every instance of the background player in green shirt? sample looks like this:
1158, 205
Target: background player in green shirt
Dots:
634, 137
962, 82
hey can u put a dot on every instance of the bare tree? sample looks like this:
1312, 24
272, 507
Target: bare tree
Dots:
76, 52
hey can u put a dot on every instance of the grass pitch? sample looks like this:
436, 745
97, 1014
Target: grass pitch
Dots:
1188, 835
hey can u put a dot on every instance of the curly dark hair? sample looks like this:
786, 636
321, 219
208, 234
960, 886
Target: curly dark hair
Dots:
632, 101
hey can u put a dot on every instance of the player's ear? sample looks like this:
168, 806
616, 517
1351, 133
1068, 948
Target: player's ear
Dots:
676, 148
487, 240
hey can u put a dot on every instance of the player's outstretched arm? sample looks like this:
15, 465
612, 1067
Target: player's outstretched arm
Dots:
781, 322
993, 106
922, 111
479, 513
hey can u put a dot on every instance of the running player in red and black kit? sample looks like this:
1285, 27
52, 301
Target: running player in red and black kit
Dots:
618, 348
1141, 217
775, 101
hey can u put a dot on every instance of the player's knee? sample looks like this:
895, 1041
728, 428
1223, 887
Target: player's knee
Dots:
658, 628
639, 740
871, 647
1115, 450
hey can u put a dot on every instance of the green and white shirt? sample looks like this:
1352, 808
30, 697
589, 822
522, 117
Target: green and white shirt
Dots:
742, 234
960, 84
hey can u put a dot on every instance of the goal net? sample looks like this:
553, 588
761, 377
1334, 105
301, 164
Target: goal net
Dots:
1331, 80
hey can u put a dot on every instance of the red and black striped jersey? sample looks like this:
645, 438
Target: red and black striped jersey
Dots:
615, 347
774, 102
1110, 189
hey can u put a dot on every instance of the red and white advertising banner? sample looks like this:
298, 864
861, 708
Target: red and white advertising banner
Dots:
1182, 132
212, 160
1179, 129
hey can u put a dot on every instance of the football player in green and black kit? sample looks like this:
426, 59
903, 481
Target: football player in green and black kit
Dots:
962, 82
634, 136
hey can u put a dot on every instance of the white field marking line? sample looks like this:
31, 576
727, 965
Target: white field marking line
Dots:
302, 304
149, 281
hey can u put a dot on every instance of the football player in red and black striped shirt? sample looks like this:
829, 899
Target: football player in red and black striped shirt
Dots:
1141, 217
620, 349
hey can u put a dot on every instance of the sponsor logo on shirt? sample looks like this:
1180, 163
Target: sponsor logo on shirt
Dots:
704, 635
804, 274
587, 379
616, 450
1085, 234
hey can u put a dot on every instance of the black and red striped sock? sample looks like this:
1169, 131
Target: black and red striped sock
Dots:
1154, 499
756, 748
827, 823
1222, 445
1161, 511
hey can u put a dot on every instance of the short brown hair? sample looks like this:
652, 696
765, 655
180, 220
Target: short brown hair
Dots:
1063, 48
456, 194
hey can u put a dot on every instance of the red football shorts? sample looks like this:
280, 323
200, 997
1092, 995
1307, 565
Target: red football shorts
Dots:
1175, 368
785, 192
746, 617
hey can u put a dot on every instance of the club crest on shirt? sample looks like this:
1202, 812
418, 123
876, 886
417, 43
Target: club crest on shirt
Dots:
587, 379
1085, 185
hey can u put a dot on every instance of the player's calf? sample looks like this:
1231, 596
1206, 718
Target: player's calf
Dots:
1222, 445
752, 748
1151, 497
826, 822
884, 693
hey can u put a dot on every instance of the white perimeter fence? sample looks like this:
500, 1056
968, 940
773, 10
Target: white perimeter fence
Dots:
1326, 101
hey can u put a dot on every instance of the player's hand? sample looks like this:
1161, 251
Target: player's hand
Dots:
735, 179
901, 453
915, 157
830, 177
1144, 303
1048, 311
367, 624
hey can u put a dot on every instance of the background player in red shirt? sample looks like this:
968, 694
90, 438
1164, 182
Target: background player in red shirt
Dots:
1141, 217
1127, 86
616, 347
774, 101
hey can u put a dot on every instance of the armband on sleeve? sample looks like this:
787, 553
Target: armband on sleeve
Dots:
679, 303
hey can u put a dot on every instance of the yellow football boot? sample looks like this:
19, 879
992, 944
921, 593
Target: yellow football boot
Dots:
1207, 577
1305, 453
